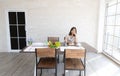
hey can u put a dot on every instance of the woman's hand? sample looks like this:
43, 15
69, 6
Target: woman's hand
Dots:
76, 40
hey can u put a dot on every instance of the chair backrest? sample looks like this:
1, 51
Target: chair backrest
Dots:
45, 52
53, 39
75, 53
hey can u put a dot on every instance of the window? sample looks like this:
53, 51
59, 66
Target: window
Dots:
17, 30
112, 29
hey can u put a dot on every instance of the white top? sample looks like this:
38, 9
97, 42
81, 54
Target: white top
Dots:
71, 39
44, 45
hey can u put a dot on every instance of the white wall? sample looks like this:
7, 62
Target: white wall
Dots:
54, 18
101, 25
3, 30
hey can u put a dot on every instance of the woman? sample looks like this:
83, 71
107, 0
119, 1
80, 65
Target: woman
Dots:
71, 39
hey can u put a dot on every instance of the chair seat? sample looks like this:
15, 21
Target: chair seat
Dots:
74, 64
47, 63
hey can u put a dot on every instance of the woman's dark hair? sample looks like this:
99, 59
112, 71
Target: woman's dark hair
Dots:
70, 33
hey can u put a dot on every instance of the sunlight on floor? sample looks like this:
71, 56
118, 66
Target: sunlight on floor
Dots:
108, 70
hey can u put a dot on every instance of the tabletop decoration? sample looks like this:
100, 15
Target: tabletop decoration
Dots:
57, 44
30, 41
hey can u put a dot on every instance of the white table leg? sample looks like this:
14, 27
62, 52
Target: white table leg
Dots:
35, 70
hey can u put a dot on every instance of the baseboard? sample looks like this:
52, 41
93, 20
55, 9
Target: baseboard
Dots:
111, 58
15, 51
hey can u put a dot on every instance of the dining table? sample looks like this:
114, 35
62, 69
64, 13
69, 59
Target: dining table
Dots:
31, 49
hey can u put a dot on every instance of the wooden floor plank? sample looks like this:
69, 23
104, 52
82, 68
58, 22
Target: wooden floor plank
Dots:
17, 64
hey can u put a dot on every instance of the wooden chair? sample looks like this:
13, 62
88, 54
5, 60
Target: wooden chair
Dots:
46, 59
53, 39
75, 59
